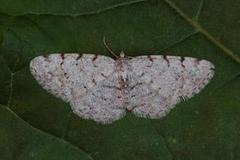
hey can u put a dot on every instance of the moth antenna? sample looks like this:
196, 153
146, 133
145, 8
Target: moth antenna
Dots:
108, 48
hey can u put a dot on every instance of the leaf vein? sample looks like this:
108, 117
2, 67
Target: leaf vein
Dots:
180, 40
98, 11
48, 134
196, 25
199, 10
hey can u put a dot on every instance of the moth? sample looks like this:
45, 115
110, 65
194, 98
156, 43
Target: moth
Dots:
103, 89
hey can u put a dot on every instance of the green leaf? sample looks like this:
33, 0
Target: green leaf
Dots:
21, 141
71, 7
204, 127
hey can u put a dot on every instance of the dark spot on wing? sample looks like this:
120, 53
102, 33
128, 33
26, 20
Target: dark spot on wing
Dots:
46, 56
79, 56
197, 61
166, 59
95, 57
182, 60
150, 58
62, 56
94, 81
142, 75
103, 75
135, 85
128, 110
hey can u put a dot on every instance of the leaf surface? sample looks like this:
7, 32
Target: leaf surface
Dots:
203, 127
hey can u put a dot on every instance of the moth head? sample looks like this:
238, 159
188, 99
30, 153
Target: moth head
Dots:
122, 54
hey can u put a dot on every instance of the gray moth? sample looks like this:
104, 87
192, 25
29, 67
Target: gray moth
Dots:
100, 88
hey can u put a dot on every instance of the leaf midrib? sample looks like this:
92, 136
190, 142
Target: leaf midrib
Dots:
193, 22
199, 28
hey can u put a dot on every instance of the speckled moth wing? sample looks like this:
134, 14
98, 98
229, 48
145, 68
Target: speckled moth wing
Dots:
102, 89
158, 83
88, 82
